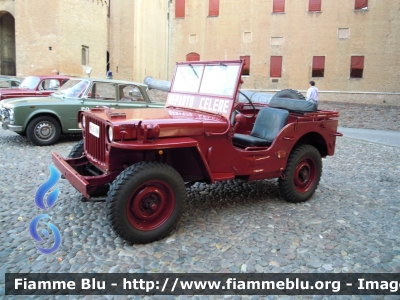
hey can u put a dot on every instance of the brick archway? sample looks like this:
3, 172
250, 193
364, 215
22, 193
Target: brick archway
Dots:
7, 45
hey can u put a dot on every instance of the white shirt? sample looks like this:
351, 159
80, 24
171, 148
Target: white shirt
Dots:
312, 94
54, 84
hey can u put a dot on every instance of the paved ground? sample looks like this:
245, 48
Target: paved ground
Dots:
350, 224
384, 137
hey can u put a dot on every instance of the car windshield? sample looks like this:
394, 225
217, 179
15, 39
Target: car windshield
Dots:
209, 87
29, 82
73, 88
217, 80
4, 83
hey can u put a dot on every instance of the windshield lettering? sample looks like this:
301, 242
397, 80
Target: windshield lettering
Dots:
181, 100
214, 105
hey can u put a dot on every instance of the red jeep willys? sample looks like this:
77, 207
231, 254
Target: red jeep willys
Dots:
144, 157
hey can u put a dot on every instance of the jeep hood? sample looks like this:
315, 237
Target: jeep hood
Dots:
172, 122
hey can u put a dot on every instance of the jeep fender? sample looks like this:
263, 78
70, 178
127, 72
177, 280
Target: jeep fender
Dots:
182, 153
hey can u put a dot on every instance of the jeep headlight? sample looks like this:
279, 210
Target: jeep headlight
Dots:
83, 121
110, 134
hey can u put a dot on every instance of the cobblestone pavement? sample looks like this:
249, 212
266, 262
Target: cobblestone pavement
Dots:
350, 225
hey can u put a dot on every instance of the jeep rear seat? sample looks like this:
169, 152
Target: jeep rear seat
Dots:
268, 123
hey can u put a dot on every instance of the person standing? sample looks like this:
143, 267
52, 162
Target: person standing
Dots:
54, 83
312, 92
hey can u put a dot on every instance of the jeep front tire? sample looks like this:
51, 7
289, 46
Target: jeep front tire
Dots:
77, 150
145, 202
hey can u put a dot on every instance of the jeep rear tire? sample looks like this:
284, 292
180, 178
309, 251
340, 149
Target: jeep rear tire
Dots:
289, 93
302, 174
145, 202
43, 130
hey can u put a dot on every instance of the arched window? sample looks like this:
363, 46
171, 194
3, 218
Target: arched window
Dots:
192, 56
85, 55
7, 48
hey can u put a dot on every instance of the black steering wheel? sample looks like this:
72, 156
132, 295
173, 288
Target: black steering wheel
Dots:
251, 103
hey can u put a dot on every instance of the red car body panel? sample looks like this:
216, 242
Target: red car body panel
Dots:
36, 91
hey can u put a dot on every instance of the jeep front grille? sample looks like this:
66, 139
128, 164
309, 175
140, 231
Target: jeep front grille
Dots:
96, 146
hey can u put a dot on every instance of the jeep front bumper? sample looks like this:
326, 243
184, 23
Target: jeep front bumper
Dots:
86, 185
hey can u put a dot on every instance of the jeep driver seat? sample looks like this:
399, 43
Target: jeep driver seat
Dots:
268, 123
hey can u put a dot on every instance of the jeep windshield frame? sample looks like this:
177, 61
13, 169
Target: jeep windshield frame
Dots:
208, 86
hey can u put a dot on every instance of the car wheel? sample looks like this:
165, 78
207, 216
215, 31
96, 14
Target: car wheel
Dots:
289, 93
145, 202
302, 174
43, 130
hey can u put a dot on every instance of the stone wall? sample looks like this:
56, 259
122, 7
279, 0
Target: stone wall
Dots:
138, 39
368, 116
50, 35
352, 115
251, 28
391, 99
372, 98
87, 27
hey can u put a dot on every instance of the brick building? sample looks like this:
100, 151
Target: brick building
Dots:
39, 36
348, 47
139, 39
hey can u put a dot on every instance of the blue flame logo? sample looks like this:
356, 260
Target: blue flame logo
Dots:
35, 234
45, 187
50, 200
